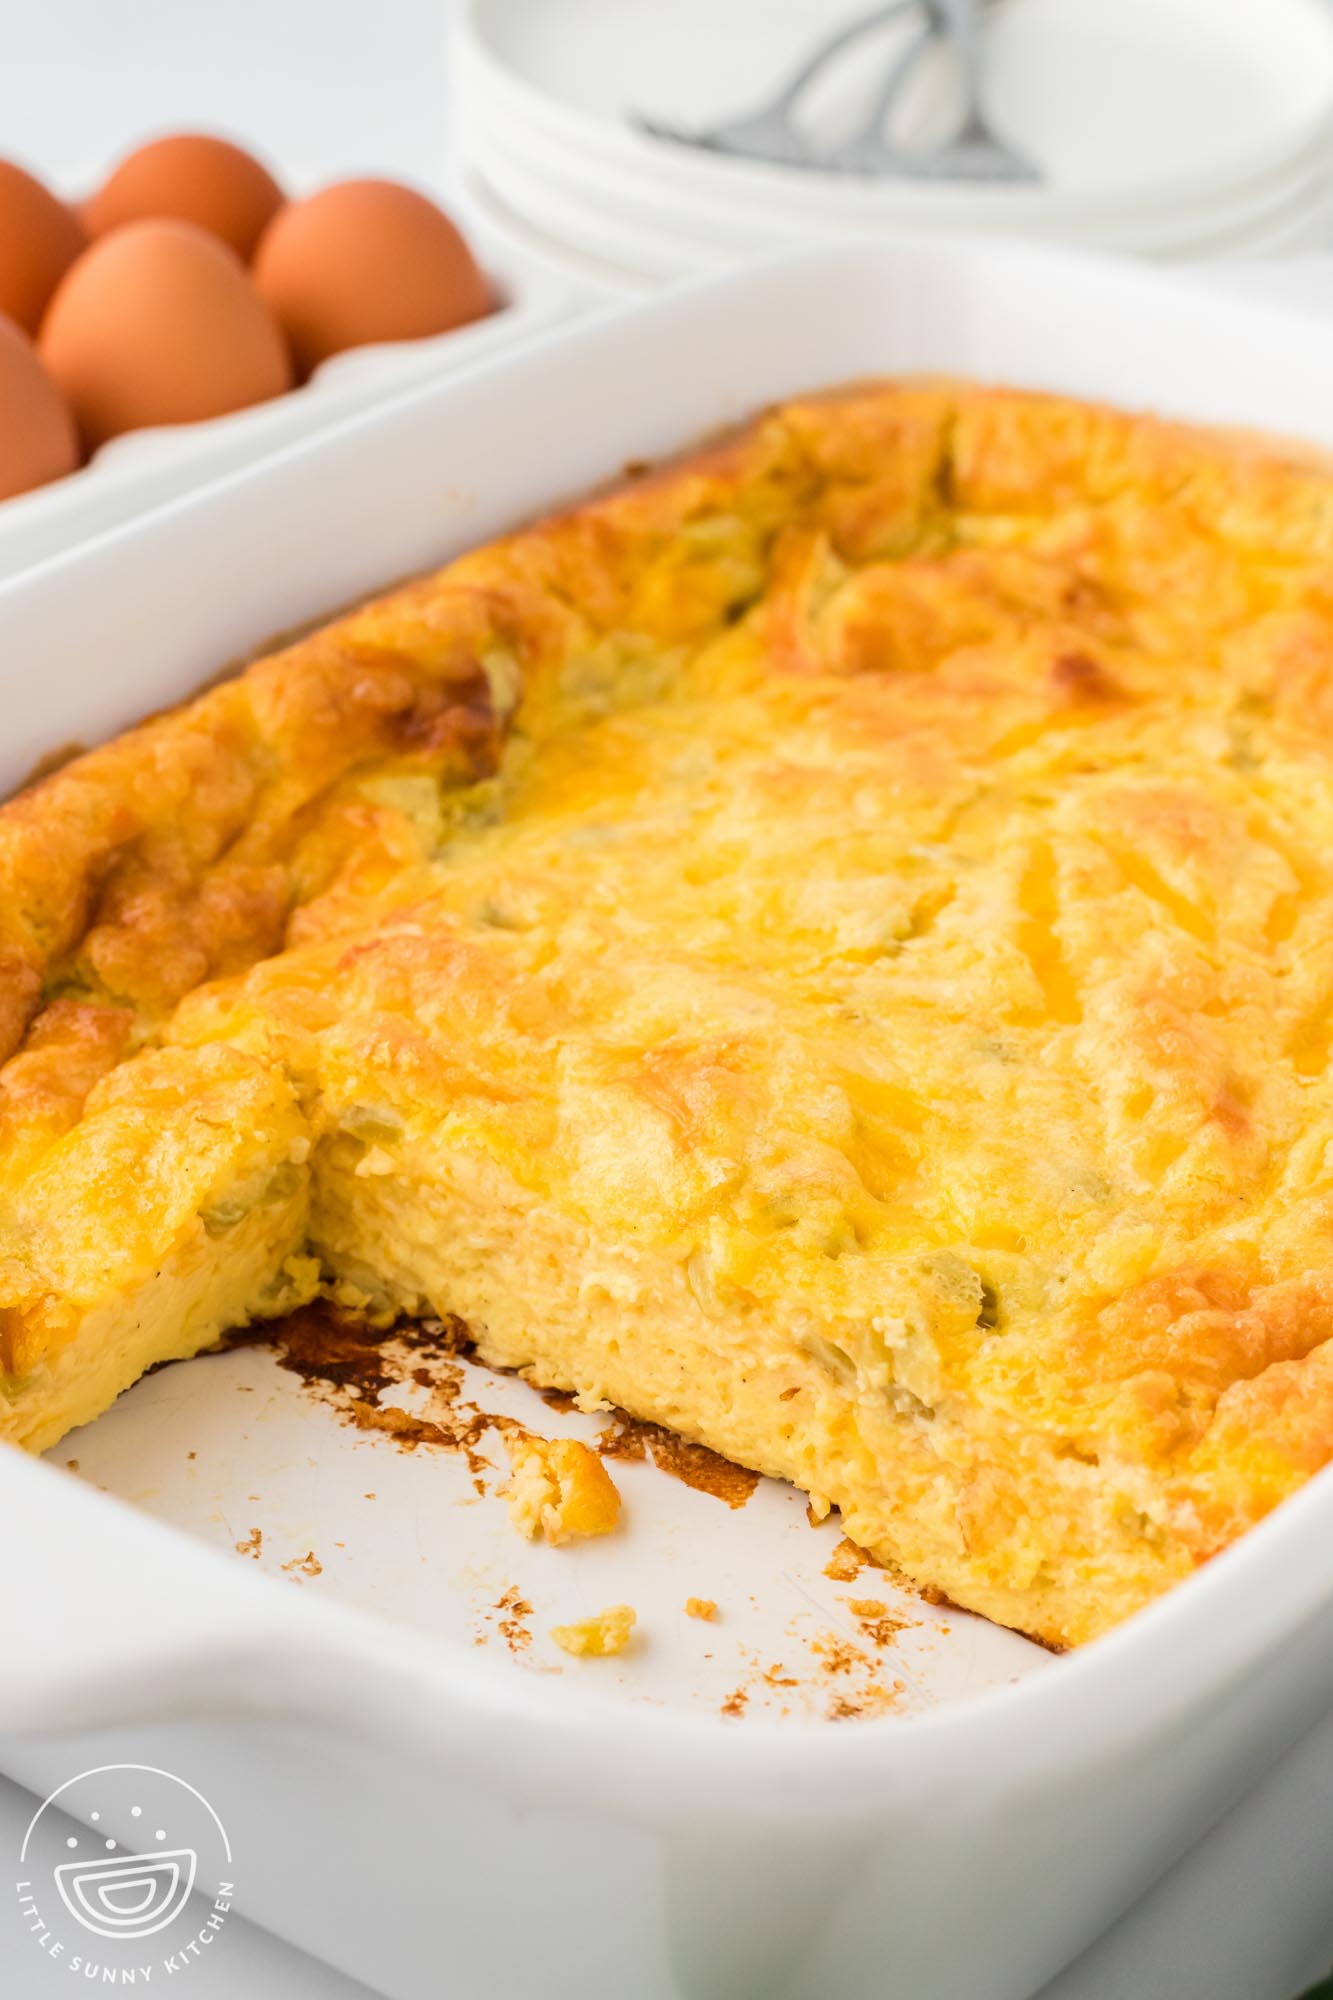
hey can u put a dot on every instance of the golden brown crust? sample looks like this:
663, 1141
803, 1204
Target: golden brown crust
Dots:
559, 1488
863, 891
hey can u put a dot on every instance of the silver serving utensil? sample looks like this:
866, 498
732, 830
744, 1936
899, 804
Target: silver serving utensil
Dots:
975, 152
867, 150
770, 131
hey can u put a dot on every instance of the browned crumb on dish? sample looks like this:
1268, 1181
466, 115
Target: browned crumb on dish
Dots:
876, 1698
878, 1624
559, 1489
825, 1674
693, 1464
844, 1565
189, 1454
598, 1637
837, 1655
252, 1545
516, 1609
848, 1560
509, 1613
307, 1565
701, 1607
72, 1464
859, 1692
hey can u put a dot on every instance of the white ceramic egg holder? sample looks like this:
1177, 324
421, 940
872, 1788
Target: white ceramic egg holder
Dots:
146, 469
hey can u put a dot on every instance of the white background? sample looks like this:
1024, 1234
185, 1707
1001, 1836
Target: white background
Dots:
325, 88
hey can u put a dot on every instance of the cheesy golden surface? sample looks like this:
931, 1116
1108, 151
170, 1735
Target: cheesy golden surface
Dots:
829, 948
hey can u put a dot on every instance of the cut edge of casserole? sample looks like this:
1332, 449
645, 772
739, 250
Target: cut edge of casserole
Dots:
827, 948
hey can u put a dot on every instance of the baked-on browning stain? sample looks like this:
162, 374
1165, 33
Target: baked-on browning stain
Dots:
349, 1364
307, 1565
878, 1624
513, 1629
693, 1464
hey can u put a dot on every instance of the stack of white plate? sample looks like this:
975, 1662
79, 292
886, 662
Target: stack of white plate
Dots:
1181, 129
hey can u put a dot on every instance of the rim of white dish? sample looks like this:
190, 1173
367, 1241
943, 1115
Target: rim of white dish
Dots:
655, 203
554, 195
1297, 233
484, 68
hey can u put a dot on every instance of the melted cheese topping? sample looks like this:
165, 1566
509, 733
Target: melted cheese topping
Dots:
830, 949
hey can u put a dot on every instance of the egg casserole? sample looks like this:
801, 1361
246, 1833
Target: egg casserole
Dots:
829, 948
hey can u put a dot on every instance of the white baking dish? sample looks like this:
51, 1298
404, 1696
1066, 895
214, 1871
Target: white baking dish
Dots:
604, 1830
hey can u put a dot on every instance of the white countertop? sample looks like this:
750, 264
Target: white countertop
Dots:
330, 87
324, 88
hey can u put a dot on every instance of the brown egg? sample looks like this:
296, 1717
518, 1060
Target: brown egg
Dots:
364, 261
191, 178
158, 323
38, 440
39, 240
